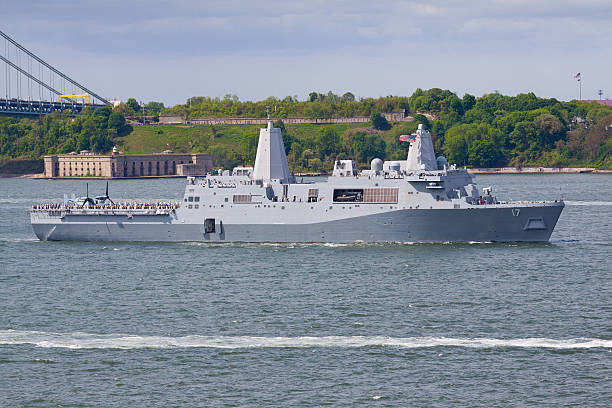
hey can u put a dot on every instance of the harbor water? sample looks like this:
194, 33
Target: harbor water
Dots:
406, 324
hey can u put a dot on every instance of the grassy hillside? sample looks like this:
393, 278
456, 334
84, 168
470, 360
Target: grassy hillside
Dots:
201, 138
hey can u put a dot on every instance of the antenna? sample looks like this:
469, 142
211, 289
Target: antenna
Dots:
600, 93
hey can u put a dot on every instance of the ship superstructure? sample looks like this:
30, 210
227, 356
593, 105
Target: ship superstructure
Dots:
420, 199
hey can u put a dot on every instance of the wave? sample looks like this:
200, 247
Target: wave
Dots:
79, 340
9, 239
589, 203
16, 200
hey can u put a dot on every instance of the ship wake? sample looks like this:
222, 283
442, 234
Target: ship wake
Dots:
79, 340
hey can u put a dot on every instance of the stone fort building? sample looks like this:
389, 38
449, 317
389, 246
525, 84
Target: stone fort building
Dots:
117, 165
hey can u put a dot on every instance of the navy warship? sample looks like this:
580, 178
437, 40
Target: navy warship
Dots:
420, 199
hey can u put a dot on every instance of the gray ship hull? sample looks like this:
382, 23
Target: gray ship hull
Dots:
496, 223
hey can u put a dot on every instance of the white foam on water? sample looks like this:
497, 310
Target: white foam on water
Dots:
16, 200
9, 239
79, 340
589, 203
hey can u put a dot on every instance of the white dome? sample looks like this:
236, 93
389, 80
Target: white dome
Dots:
376, 164
441, 161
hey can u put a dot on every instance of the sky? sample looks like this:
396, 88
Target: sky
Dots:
169, 51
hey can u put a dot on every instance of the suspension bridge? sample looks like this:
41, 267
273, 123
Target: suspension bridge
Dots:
33, 87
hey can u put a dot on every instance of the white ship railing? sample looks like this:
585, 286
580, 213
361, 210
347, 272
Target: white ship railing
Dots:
131, 208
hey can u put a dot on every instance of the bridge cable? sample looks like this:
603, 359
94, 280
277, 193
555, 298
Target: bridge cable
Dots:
28, 75
53, 69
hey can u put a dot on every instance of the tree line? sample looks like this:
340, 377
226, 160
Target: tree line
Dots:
57, 133
318, 105
492, 130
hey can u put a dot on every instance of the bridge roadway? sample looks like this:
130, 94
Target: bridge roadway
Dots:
22, 107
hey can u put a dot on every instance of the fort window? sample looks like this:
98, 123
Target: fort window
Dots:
141, 168
165, 167
157, 168
150, 168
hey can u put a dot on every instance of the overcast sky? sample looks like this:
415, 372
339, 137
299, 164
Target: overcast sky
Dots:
171, 50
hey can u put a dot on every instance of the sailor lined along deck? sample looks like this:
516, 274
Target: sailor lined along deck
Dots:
420, 199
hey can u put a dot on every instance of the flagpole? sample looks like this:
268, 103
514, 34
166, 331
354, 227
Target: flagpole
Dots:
578, 78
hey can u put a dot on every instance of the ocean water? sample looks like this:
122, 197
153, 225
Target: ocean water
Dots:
198, 325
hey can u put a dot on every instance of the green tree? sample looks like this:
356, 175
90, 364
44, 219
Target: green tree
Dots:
154, 107
133, 105
100, 143
307, 154
248, 145
550, 129
117, 121
83, 142
419, 118
328, 142
317, 110
366, 147
349, 97
459, 138
103, 111
483, 153
468, 101
379, 121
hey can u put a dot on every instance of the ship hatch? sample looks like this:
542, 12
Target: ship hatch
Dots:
209, 225
535, 224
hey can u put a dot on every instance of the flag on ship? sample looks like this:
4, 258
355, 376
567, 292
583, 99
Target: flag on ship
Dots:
408, 138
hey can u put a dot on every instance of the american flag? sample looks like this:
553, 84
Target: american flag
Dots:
577, 76
408, 138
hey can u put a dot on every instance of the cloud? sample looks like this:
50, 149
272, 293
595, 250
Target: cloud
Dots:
258, 48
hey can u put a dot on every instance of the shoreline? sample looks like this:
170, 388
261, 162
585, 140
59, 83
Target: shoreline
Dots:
540, 170
505, 170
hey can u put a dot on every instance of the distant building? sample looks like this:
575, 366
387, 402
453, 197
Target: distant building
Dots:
182, 120
118, 165
601, 101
